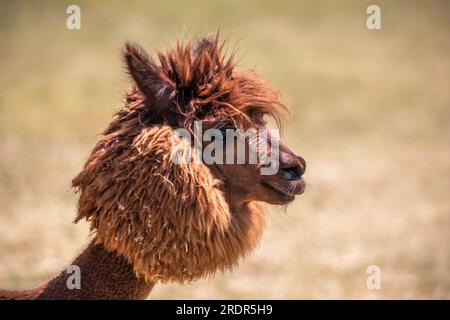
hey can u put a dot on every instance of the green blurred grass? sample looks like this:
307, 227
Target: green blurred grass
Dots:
371, 113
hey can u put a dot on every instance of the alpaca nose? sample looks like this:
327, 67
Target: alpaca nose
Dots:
292, 167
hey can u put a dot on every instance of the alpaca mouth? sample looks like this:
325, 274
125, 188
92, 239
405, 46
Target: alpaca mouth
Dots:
288, 192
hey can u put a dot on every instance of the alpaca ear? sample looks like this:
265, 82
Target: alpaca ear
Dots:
144, 72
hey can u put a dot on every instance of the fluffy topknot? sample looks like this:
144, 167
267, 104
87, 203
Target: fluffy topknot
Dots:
199, 82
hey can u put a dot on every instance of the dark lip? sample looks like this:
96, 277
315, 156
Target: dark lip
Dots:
286, 197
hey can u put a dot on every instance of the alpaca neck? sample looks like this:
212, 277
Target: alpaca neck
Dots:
103, 275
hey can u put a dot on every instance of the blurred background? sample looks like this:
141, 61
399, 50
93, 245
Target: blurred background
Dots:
370, 114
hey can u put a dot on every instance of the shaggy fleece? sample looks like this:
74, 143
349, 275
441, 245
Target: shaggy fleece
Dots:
171, 222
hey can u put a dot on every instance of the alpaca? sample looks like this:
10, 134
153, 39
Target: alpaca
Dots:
155, 221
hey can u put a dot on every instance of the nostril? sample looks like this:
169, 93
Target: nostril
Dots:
291, 173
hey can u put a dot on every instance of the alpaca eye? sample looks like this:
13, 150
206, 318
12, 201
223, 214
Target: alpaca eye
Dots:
224, 129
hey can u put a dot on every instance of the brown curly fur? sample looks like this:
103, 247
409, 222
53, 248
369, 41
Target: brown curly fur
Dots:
170, 221
191, 83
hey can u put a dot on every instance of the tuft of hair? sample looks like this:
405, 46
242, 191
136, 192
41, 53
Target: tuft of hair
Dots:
199, 82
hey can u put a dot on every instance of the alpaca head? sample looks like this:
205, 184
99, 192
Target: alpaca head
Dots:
181, 221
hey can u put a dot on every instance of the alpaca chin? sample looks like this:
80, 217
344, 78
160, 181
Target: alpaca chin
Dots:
171, 222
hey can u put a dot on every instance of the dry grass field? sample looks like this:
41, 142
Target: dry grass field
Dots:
370, 114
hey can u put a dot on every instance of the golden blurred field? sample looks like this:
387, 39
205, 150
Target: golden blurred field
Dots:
371, 115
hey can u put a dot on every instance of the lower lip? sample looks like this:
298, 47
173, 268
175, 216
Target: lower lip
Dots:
284, 194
